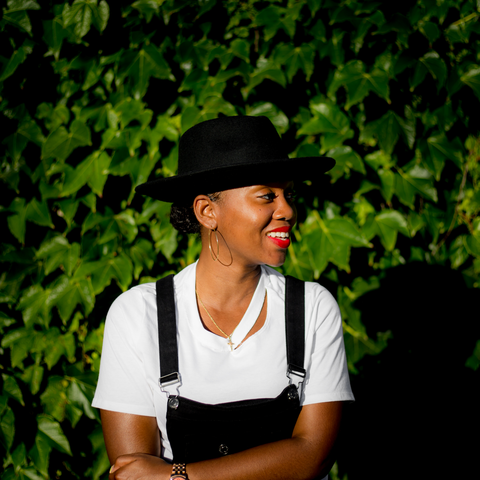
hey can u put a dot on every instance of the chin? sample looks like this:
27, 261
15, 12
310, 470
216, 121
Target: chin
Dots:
276, 263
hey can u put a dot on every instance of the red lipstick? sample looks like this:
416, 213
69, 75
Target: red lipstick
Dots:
282, 242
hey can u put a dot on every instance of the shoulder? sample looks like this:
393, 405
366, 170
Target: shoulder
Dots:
317, 296
134, 298
130, 311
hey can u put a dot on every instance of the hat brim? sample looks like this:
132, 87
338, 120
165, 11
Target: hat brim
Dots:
183, 188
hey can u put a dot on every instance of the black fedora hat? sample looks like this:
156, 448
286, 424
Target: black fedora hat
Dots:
230, 152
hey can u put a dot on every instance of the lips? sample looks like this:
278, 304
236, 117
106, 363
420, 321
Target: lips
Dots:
280, 236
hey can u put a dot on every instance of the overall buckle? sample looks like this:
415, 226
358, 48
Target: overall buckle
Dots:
169, 380
300, 374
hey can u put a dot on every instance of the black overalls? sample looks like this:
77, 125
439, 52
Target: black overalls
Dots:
198, 431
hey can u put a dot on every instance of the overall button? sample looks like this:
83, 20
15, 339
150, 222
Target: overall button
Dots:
292, 394
173, 402
223, 449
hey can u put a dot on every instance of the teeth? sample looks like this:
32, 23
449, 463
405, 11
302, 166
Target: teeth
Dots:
279, 234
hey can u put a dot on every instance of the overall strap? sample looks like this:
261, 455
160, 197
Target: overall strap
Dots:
295, 326
167, 332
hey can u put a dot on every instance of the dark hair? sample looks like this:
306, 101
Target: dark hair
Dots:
183, 218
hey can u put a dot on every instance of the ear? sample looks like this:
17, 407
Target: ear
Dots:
204, 210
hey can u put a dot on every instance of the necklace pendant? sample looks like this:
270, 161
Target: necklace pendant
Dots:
230, 343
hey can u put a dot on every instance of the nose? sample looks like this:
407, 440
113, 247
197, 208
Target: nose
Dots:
285, 210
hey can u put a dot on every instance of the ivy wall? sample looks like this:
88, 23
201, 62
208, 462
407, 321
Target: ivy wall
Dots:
93, 99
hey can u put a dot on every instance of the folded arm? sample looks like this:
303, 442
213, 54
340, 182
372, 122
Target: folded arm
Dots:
133, 446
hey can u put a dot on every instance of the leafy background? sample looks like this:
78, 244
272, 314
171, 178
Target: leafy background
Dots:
94, 97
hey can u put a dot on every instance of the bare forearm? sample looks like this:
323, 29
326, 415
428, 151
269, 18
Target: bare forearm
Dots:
291, 459
308, 454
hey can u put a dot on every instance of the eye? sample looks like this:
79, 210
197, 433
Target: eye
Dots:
269, 196
290, 196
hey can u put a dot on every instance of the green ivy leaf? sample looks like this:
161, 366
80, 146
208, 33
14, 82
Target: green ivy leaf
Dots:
101, 463
19, 5
377, 19
80, 15
472, 244
31, 131
53, 249
54, 34
141, 65
436, 66
67, 210
52, 430
99, 173
387, 179
127, 225
331, 240
439, 150
431, 31
388, 129
405, 191
15, 145
241, 49
76, 178
346, 158
11, 388
54, 399
40, 453
266, 69
32, 304
79, 292
39, 213
270, 18
165, 238
274, 114
472, 78
295, 58
18, 57
359, 83
422, 180
143, 257
60, 143
329, 120
101, 15
16, 222
16, 13
389, 223
457, 252
80, 395
7, 428
33, 374
103, 271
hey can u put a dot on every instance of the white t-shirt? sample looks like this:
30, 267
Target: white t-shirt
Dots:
211, 372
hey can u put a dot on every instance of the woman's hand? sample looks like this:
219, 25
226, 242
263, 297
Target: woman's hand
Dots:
140, 466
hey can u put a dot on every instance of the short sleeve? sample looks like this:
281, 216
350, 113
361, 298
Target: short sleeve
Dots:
122, 384
326, 363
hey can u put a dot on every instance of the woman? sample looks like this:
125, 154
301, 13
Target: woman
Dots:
238, 396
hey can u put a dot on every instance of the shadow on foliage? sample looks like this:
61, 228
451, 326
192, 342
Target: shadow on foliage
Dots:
416, 413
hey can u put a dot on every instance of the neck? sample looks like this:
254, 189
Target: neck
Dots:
222, 285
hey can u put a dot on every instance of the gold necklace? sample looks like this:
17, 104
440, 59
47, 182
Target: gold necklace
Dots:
229, 337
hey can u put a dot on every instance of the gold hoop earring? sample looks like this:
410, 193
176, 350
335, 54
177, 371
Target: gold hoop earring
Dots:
214, 257
217, 257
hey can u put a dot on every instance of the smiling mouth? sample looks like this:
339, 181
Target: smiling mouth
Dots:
281, 239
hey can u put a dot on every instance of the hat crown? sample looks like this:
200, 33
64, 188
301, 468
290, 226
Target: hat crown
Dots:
231, 152
228, 141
